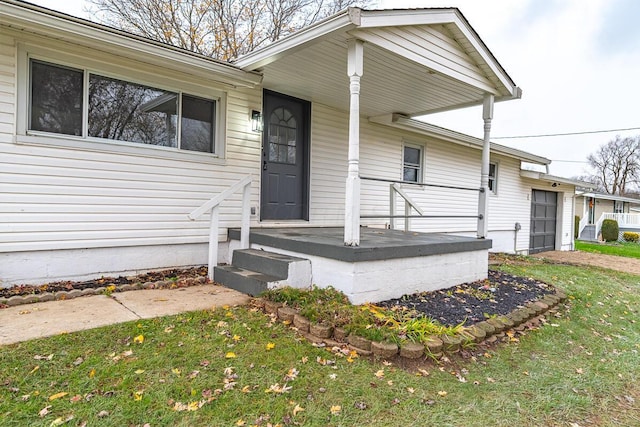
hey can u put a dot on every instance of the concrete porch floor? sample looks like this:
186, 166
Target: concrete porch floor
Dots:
375, 243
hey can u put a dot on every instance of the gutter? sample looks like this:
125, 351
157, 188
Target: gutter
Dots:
406, 123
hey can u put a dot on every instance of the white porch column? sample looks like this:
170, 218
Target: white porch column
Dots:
352, 196
483, 200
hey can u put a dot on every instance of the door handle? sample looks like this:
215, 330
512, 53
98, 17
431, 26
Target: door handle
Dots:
264, 165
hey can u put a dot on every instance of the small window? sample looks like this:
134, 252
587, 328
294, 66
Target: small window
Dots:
56, 99
618, 206
198, 124
493, 178
412, 164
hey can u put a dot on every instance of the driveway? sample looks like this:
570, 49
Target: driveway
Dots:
626, 265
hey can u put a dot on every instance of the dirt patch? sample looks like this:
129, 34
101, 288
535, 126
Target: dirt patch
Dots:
618, 263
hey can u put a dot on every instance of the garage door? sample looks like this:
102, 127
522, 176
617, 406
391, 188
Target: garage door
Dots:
544, 208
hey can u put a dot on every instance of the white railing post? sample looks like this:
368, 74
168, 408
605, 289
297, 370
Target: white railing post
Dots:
246, 216
392, 207
407, 212
213, 240
213, 205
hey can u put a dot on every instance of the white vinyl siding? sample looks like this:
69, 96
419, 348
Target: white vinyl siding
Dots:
60, 193
7, 87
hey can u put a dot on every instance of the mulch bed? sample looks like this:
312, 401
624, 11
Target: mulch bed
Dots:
474, 302
176, 276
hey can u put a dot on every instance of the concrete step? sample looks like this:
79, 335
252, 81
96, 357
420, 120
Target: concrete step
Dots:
266, 262
253, 271
294, 271
243, 280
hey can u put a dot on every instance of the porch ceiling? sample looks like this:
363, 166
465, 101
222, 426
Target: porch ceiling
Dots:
413, 67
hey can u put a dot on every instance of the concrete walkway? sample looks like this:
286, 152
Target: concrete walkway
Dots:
43, 319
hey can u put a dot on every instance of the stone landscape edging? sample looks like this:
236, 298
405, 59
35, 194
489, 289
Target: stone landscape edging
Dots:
16, 300
487, 331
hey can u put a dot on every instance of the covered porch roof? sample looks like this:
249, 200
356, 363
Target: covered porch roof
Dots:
416, 62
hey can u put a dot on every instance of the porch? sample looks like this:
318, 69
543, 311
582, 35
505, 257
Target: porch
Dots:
626, 222
387, 263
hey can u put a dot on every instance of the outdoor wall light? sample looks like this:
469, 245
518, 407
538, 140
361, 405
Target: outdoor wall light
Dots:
256, 121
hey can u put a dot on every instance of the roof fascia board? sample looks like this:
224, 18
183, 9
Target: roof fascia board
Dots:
417, 126
552, 178
611, 197
382, 18
290, 44
51, 23
465, 105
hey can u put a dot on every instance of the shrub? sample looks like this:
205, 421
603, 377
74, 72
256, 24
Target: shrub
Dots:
630, 236
610, 230
576, 226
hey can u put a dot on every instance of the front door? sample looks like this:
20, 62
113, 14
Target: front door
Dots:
285, 158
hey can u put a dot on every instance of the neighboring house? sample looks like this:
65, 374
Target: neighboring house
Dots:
593, 208
111, 146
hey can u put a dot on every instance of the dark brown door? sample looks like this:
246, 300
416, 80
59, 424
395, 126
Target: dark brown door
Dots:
544, 208
285, 158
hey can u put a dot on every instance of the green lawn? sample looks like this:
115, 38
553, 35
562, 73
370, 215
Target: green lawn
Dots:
234, 367
630, 250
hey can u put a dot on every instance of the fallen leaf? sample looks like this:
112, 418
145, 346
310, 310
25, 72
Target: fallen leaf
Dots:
92, 373
297, 410
379, 373
230, 355
335, 409
442, 393
137, 396
579, 371
241, 423
490, 380
176, 371
34, 369
270, 346
411, 390
78, 361
103, 414
423, 372
57, 395
139, 371
75, 398
139, 339
44, 411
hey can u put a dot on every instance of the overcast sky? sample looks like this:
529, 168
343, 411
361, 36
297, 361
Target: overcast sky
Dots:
577, 62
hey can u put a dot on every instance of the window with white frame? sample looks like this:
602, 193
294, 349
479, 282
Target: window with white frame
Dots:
493, 178
71, 101
412, 163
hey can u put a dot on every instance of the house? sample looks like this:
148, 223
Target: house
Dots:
120, 154
593, 208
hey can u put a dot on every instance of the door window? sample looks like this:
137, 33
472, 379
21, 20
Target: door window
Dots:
282, 136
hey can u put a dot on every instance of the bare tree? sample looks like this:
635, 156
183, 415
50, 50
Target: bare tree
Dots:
616, 165
223, 29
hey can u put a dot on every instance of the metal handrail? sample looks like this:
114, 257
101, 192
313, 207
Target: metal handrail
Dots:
395, 187
213, 205
422, 184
